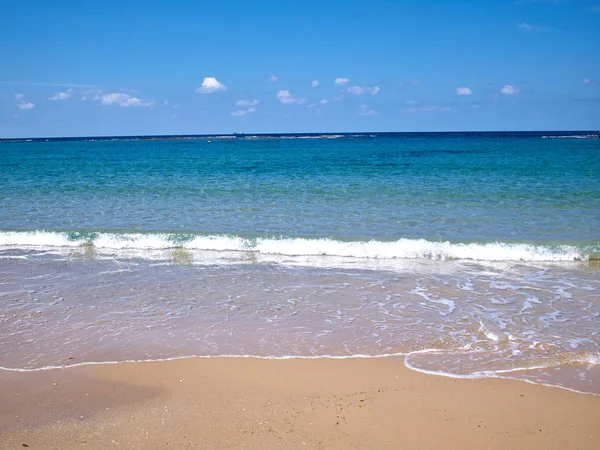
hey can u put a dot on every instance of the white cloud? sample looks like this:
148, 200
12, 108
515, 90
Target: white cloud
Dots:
410, 102
272, 78
509, 90
364, 110
247, 102
463, 91
243, 112
286, 96
431, 108
123, 100
91, 94
524, 26
475, 106
357, 90
324, 101
26, 106
436, 108
315, 83
587, 80
19, 96
61, 95
210, 85
341, 81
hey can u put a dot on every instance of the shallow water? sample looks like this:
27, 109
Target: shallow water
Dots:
460, 318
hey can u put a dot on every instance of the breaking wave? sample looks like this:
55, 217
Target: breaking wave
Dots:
373, 249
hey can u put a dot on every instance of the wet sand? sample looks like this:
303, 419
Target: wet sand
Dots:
259, 404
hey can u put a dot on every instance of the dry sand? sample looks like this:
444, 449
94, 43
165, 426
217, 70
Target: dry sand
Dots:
261, 404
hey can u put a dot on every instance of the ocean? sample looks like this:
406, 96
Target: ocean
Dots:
462, 254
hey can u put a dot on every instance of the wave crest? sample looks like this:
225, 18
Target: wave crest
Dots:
373, 249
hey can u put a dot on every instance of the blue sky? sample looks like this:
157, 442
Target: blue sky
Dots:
84, 67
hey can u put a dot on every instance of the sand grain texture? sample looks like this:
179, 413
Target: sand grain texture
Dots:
248, 403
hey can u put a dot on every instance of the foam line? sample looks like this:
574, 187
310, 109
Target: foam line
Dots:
373, 249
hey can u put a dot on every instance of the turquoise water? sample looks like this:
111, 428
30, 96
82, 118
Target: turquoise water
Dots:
481, 187
471, 254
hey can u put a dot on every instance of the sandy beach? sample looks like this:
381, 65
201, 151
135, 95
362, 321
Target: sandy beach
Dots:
258, 404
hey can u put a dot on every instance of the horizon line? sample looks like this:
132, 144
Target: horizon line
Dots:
275, 134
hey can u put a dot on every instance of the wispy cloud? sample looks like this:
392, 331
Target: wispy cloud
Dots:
23, 105
463, 91
285, 96
247, 102
436, 108
35, 83
61, 95
91, 94
524, 26
123, 100
587, 80
272, 78
341, 81
243, 112
431, 109
509, 90
358, 90
26, 106
364, 110
324, 101
315, 83
210, 85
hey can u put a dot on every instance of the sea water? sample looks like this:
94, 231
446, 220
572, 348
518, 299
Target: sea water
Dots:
468, 254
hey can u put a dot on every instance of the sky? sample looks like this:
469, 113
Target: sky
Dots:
90, 68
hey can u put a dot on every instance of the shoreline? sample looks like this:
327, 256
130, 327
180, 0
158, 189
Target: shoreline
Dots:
265, 403
396, 356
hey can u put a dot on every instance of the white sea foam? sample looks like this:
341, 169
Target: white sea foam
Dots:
574, 136
399, 249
